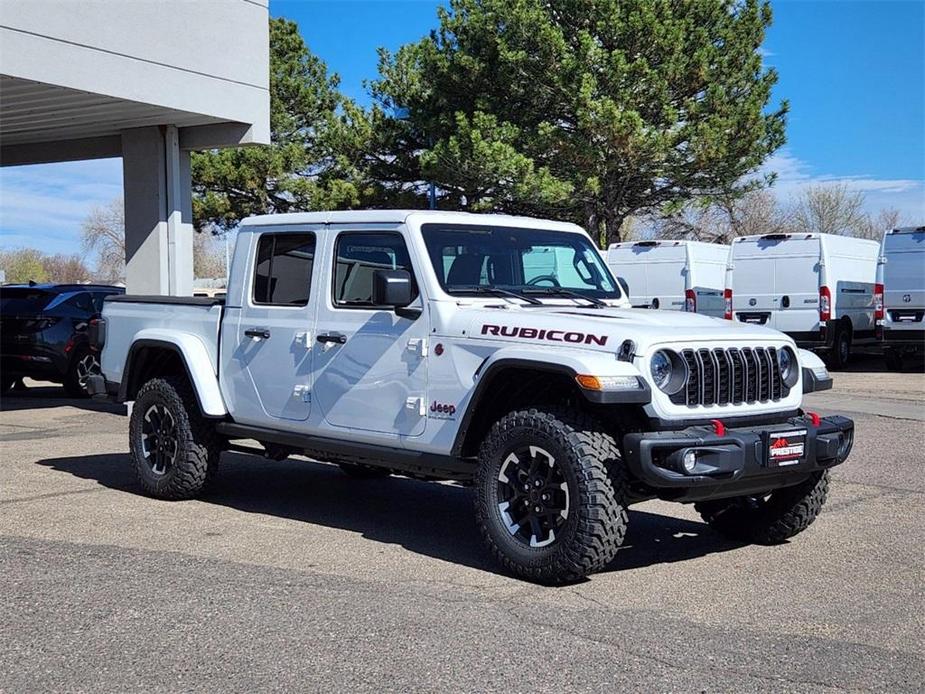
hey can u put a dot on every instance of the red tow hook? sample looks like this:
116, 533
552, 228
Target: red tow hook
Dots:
718, 427
814, 418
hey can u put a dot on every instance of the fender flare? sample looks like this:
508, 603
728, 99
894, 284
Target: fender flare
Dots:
538, 360
196, 362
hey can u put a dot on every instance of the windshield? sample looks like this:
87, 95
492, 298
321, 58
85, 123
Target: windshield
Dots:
533, 262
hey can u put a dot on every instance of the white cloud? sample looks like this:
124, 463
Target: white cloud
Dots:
43, 205
794, 175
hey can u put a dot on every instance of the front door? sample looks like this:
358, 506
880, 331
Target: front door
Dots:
270, 365
370, 364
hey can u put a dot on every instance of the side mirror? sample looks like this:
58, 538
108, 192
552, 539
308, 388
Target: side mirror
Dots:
392, 288
624, 285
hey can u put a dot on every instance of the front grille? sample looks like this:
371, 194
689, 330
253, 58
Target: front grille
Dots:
731, 376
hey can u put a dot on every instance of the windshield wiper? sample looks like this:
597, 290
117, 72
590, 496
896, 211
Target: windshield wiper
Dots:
497, 291
561, 291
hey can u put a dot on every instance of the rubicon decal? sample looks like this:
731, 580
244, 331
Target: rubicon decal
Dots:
543, 334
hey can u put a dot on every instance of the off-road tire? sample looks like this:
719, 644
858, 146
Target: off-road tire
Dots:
840, 354
360, 471
784, 513
72, 385
199, 445
594, 472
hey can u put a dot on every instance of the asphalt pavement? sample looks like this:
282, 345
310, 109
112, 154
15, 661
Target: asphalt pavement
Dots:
291, 576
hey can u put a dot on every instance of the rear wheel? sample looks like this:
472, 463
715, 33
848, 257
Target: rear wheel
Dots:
175, 450
550, 495
841, 349
770, 518
83, 365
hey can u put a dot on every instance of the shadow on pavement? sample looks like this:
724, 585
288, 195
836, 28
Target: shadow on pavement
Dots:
876, 363
46, 396
435, 520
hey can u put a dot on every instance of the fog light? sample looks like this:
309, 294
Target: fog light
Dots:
846, 441
689, 461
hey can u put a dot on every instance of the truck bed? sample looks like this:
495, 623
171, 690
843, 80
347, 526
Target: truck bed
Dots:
135, 319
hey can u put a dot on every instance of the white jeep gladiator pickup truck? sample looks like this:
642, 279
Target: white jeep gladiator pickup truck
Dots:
497, 351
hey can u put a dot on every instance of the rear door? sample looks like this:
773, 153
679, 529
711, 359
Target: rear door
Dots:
776, 282
624, 263
666, 275
904, 270
269, 339
904, 279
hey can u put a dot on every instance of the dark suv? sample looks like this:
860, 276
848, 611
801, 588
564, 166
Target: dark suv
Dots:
43, 333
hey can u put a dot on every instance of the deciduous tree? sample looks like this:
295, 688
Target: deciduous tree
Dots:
103, 235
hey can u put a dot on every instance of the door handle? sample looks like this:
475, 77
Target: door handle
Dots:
338, 339
258, 332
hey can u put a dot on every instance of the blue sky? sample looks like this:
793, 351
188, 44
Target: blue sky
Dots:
854, 73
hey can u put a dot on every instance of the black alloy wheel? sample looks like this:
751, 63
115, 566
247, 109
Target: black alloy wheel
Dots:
533, 496
159, 439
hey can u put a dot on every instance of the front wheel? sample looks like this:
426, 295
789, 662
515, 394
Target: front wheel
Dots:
550, 495
771, 518
175, 450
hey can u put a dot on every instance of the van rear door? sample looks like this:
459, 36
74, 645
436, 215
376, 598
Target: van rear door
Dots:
904, 270
776, 282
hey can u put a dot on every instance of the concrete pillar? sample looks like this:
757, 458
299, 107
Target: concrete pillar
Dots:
158, 212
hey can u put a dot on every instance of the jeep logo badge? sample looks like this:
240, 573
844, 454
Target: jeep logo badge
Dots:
907, 298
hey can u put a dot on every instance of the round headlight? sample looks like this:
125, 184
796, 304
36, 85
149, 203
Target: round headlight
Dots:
660, 367
787, 361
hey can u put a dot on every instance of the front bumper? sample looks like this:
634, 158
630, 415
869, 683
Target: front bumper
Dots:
736, 462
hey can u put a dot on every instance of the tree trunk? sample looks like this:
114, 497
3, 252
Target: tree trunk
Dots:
613, 228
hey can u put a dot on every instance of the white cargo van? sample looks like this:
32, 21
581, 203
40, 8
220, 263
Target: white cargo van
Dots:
900, 294
817, 288
676, 275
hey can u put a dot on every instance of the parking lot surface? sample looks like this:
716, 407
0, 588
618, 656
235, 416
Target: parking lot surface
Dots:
290, 575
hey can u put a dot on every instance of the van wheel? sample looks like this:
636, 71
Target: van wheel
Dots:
83, 365
841, 350
770, 518
175, 450
551, 495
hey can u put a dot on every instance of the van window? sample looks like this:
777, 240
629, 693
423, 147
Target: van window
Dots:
283, 272
357, 257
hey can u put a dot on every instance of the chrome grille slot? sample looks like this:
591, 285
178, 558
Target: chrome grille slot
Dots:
731, 376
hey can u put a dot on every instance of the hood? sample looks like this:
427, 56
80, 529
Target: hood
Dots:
606, 328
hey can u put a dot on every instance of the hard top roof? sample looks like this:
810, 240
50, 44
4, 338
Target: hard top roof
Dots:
401, 216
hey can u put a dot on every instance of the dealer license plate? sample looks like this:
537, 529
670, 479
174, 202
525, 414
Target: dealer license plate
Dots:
786, 447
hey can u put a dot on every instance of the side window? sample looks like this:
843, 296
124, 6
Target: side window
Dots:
283, 272
357, 256
81, 302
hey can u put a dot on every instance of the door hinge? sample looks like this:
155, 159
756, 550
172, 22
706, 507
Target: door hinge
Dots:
302, 392
416, 404
418, 345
